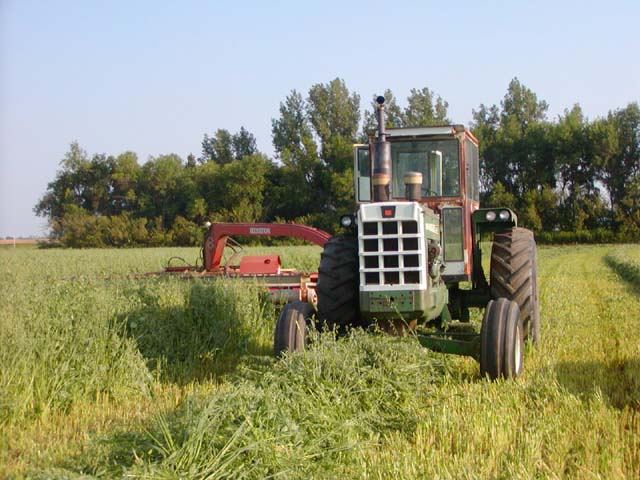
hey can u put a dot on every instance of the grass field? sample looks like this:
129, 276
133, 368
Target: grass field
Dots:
105, 376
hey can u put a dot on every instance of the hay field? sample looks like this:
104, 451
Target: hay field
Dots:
103, 376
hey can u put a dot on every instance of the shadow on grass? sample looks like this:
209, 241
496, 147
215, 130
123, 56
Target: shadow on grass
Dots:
219, 326
627, 271
113, 455
617, 380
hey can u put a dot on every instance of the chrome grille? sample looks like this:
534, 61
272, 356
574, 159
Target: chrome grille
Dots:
391, 253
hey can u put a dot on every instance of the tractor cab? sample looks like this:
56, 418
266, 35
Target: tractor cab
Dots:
437, 167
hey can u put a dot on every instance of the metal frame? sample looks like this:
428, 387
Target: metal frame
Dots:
216, 237
283, 285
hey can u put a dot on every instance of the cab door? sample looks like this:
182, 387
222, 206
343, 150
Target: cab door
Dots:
362, 173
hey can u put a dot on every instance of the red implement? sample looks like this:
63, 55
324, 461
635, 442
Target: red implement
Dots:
284, 285
260, 265
218, 234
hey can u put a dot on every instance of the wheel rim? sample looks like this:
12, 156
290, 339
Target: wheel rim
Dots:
516, 351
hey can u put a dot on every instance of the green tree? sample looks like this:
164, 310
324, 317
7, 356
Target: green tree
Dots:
239, 188
165, 189
191, 161
204, 178
77, 228
197, 210
618, 150
515, 150
224, 147
124, 183
243, 144
334, 113
158, 233
520, 108
580, 199
500, 197
528, 215
576, 172
394, 115
292, 194
185, 233
486, 127
629, 211
547, 200
425, 109
218, 148
81, 182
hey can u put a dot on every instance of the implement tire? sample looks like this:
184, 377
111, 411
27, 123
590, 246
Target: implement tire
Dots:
514, 275
338, 281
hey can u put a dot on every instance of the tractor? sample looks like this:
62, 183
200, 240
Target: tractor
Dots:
411, 255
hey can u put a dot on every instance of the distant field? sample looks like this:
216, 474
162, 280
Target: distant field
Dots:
105, 376
22, 241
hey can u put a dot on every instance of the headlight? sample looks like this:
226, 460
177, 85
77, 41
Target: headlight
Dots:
346, 221
504, 215
490, 216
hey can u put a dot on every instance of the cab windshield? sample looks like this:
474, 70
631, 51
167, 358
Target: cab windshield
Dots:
437, 160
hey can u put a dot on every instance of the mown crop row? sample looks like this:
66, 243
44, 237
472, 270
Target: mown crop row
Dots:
626, 262
105, 375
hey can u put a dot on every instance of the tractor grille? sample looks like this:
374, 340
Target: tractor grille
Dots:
391, 253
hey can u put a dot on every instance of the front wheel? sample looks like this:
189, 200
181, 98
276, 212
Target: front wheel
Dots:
502, 341
292, 332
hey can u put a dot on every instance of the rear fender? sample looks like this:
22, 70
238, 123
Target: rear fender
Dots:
482, 223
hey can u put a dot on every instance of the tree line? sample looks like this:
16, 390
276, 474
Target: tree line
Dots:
568, 178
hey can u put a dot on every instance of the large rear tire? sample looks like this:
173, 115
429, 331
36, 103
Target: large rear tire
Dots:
292, 332
514, 275
338, 281
502, 342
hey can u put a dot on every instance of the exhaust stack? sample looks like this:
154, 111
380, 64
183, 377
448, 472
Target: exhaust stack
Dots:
381, 159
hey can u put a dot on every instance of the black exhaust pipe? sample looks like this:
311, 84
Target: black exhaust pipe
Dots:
381, 159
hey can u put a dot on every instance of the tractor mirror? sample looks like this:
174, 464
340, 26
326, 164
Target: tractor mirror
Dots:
435, 172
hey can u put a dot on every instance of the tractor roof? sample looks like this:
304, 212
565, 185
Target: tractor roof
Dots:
441, 130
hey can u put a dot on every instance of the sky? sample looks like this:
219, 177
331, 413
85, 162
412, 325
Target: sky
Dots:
154, 76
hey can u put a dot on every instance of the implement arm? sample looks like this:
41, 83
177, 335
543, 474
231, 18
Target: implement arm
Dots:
216, 237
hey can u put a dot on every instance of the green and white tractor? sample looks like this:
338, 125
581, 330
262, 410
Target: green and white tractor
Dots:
411, 257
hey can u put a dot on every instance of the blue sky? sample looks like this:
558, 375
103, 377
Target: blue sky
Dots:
153, 76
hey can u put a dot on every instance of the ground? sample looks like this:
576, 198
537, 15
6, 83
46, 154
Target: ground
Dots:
102, 376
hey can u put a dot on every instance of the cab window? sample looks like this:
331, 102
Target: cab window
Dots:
363, 174
472, 161
437, 160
